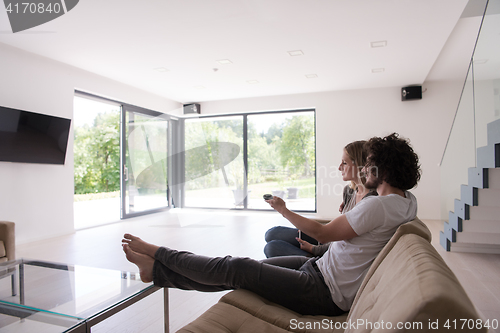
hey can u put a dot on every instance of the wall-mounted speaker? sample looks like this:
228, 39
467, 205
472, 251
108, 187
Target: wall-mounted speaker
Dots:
411, 92
192, 108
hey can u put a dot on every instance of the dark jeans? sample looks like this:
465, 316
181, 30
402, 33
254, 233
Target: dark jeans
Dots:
293, 282
281, 242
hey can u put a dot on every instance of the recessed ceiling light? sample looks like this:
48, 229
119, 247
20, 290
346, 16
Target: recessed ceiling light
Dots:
480, 61
382, 43
378, 70
311, 76
224, 62
252, 81
161, 69
295, 53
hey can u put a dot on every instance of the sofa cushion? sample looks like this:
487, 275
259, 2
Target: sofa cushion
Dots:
280, 316
2, 249
225, 318
412, 284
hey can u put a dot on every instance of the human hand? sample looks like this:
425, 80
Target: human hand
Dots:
341, 208
277, 204
305, 245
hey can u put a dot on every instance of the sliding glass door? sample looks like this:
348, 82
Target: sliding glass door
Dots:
144, 152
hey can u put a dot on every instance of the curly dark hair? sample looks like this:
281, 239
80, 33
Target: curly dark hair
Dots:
394, 160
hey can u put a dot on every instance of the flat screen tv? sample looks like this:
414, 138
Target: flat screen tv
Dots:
29, 137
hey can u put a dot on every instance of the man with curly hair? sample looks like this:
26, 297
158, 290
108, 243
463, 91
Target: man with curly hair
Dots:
392, 169
316, 286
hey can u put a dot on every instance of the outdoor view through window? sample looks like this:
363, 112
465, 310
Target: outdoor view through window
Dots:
96, 162
281, 161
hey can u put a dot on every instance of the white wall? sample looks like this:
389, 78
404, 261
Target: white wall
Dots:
345, 116
39, 198
459, 154
484, 101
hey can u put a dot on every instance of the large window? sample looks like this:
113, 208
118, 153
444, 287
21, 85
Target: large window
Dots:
262, 153
154, 161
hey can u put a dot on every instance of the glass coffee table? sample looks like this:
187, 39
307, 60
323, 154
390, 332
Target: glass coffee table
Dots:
39, 296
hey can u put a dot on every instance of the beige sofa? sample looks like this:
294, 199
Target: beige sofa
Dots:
408, 288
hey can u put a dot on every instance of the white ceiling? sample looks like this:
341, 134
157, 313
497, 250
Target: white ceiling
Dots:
127, 40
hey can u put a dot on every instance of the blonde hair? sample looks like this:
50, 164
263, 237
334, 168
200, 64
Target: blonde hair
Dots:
357, 153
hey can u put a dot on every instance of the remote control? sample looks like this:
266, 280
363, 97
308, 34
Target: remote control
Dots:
268, 196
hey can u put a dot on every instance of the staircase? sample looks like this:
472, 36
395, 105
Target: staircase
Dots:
474, 226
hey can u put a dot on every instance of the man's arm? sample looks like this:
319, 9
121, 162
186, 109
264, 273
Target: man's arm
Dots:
335, 230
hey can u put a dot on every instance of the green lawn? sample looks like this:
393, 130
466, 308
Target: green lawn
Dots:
307, 189
96, 196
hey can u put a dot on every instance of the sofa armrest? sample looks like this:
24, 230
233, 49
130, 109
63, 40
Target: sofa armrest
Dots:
412, 285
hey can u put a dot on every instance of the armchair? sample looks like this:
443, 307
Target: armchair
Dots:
8, 250
7, 241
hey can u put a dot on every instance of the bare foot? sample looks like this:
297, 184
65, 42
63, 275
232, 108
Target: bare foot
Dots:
144, 262
138, 245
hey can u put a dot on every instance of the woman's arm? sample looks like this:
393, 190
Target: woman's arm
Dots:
315, 250
335, 230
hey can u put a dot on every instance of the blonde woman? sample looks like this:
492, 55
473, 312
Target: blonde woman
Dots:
285, 241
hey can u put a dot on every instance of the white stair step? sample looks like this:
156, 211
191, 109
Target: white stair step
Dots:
488, 156
478, 177
461, 210
474, 248
478, 237
493, 132
449, 232
482, 213
445, 242
494, 178
469, 195
455, 222
488, 197
481, 226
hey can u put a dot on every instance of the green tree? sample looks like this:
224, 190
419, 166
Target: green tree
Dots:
97, 155
276, 130
85, 178
261, 156
106, 146
297, 144
201, 161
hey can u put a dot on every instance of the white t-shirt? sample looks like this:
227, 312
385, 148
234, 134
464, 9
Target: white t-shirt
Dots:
374, 219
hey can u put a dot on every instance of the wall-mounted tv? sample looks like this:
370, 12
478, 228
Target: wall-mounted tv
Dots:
30, 137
